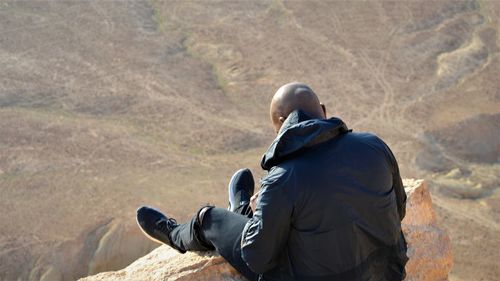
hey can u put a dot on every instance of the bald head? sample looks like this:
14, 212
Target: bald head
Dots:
291, 97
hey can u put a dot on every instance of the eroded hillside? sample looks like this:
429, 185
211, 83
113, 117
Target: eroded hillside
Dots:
107, 105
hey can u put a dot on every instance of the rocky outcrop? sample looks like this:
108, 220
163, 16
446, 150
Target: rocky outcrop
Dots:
429, 247
111, 245
429, 251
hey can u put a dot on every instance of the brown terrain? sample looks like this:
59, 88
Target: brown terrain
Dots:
108, 105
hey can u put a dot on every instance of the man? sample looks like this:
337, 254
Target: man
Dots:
330, 207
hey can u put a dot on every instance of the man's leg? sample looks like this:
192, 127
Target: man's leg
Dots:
217, 229
211, 228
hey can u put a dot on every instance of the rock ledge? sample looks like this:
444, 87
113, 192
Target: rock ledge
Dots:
429, 250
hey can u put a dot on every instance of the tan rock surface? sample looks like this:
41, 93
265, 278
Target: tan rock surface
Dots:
429, 247
429, 251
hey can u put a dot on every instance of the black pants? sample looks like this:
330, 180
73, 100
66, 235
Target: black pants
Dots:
220, 230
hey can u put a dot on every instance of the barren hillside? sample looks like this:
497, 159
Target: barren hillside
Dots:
108, 105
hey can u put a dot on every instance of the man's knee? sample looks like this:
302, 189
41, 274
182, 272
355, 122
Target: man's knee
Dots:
199, 221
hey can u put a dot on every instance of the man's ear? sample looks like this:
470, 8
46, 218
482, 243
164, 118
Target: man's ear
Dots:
324, 108
281, 120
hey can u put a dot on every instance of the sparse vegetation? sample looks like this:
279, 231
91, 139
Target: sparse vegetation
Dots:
158, 16
3, 5
278, 11
219, 77
187, 44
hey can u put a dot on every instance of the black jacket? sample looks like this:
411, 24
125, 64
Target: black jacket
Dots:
330, 207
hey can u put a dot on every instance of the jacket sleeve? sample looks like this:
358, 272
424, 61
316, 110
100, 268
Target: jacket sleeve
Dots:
397, 185
265, 234
397, 182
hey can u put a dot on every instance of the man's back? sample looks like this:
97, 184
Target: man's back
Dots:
345, 209
329, 202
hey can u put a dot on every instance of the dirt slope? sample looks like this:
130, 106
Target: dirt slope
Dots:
107, 105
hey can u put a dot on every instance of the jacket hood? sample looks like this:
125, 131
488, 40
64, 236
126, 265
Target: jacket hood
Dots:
298, 132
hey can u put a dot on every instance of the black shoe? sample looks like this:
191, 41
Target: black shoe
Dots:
156, 226
240, 189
